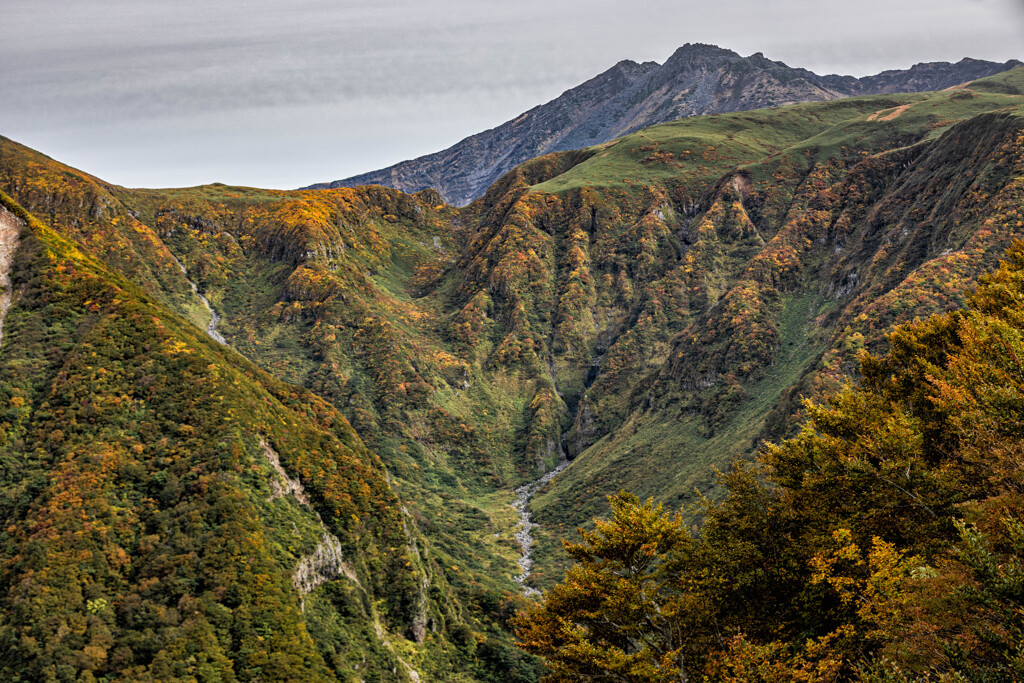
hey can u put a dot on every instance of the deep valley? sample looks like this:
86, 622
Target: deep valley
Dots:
264, 435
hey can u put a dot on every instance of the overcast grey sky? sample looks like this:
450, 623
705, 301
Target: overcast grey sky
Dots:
276, 93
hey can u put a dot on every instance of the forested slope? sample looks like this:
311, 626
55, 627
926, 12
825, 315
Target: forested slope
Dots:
884, 542
171, 512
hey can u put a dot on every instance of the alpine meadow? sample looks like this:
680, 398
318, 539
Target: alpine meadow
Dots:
705, 371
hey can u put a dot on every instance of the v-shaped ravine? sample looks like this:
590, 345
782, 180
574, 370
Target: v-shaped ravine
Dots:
211, 328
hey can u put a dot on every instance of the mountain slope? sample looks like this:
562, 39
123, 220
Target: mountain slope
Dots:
696, 80
708, 271
171, 512
649, 307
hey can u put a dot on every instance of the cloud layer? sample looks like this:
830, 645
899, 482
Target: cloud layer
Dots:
277, 94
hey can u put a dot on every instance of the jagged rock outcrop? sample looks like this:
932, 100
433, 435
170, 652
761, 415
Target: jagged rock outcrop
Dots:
327, 560
320, 566
10, 231
283, 485
696, 80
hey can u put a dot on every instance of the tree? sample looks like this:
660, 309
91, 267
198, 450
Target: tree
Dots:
620, 613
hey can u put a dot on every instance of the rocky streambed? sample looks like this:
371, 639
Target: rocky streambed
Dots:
523, 536
211, 329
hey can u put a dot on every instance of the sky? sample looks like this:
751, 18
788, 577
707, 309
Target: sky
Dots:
285, 93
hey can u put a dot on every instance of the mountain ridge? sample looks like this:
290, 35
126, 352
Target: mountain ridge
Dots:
697, 79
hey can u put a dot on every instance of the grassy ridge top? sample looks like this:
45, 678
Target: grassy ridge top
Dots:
697, 150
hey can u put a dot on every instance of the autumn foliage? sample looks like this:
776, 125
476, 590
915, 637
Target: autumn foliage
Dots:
884, 542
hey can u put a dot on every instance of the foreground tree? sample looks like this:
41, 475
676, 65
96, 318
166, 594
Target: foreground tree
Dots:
620, 613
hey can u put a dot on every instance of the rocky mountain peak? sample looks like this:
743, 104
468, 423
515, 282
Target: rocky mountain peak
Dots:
698, 79
701, 51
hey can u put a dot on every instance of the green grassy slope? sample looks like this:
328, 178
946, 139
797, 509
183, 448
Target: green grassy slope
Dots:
695, 151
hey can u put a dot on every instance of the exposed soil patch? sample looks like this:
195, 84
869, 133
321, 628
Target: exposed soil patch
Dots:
892, 113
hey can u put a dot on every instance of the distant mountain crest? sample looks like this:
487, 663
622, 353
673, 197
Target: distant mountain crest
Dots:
697, 79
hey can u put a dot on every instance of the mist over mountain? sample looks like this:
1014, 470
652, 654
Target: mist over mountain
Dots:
696, 80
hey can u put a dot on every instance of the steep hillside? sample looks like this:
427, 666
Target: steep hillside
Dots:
648, 308
882, 542
171, 512
696, 80
697, 277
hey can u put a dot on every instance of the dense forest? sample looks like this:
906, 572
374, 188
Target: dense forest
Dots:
884, 542
251, 434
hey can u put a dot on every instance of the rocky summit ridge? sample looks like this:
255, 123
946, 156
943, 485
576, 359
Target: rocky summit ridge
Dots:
698, 79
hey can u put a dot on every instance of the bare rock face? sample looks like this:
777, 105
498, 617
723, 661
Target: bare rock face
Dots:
283, 485
322, 565
696, 80
10, 231
922, 77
